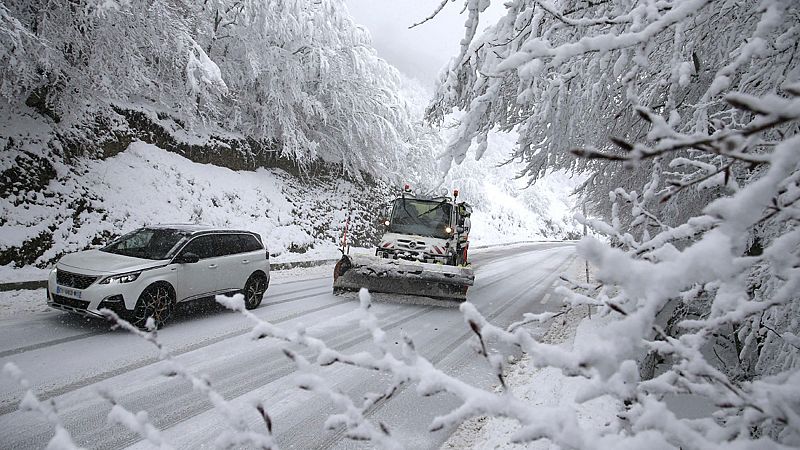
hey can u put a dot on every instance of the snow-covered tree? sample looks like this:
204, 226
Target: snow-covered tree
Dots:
685, 114
299, 78
574, 75
305, 77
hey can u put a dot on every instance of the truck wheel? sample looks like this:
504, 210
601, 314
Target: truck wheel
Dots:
158, 302
254, 290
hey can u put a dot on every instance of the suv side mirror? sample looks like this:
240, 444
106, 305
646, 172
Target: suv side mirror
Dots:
187, 258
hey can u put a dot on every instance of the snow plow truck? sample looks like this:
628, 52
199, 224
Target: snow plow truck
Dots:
423, 251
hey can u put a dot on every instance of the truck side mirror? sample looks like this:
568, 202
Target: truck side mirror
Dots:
465, 225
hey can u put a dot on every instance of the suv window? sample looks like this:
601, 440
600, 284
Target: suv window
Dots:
203, 246
230, 244
250, 243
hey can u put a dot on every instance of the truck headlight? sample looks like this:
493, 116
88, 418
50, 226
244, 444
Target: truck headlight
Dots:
124, 278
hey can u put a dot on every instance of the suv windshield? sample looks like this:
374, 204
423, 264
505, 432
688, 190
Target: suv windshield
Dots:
421, 217
147, 243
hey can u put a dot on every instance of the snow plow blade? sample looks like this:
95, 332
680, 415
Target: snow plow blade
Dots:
397, 276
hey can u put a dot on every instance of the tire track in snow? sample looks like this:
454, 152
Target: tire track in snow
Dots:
77, 337
231, 390
11, 404
171, 401
494, 279
50, 343
547, 280
248, 377
45, 344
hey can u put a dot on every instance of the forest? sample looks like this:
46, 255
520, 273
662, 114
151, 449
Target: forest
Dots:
679, 118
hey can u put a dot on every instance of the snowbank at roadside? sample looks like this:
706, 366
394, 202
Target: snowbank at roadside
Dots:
14, 304
541, 387
12, 274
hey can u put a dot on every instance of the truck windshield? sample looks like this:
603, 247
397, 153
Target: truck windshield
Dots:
421, 217
147, 243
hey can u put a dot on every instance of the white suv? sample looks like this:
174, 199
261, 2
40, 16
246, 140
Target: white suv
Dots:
146, 272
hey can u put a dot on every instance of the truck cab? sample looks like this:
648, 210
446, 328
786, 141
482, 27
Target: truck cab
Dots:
431, 230
423, 251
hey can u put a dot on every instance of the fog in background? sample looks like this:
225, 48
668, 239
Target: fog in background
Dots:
420, 52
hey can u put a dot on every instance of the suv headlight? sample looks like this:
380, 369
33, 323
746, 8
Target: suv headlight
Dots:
124, 278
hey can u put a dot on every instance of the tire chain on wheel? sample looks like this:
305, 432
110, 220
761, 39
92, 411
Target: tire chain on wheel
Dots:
149, 306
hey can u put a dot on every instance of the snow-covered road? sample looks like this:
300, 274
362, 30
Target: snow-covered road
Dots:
69, 359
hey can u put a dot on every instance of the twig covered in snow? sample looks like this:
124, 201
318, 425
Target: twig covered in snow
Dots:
240, 433
138, 422
62, 440
557, 424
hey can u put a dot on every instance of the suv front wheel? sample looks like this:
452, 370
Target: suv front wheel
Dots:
158, 302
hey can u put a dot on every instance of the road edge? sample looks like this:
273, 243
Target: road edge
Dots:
41, 284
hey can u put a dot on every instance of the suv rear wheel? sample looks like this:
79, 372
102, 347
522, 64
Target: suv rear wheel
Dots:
254, 290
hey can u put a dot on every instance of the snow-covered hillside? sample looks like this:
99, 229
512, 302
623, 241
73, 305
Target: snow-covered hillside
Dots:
505, 207
507, 210
95, 199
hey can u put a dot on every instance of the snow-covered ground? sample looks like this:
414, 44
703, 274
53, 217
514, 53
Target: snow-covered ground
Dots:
146, 185
216, 345
22, 302
547, 387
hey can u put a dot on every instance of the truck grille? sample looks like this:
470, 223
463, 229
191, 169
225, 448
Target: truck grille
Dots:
71, 302
412, 245
74, 280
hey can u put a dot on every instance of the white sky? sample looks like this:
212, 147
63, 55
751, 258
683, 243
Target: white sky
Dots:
422, 51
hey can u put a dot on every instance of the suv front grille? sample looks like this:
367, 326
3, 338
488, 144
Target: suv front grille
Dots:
74, 280
71, 302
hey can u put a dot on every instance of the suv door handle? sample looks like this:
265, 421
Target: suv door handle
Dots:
212, 266
245, 261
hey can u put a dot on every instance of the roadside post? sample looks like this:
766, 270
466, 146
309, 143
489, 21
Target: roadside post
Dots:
585, 261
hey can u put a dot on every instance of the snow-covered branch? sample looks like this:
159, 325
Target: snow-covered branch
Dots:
62, 440
686, 115
557, 424
240, 433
